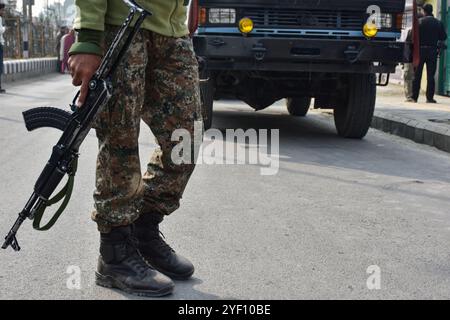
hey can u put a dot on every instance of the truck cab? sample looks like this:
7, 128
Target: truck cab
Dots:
261, 51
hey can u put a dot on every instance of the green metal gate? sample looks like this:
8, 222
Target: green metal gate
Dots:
444, 68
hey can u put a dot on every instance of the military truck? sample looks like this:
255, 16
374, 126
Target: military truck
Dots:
337, 52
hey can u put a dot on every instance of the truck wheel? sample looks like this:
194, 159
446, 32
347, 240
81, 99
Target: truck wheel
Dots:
353, 114
207, 90
298, 107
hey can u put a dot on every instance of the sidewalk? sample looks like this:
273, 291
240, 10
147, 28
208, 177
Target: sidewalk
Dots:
20, 69
421, 122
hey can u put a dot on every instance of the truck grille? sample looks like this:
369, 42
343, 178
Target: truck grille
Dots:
280, 18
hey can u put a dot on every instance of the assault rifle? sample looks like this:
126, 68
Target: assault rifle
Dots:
75, 127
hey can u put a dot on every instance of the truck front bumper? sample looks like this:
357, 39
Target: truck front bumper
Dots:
294, 54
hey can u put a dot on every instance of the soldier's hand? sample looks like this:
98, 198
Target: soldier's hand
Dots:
82, 67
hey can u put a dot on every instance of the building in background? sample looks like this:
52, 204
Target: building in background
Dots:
36, 36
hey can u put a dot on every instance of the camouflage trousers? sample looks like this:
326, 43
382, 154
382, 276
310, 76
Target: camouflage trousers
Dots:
156, 83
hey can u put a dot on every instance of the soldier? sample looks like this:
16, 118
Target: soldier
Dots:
158, 83
432, 31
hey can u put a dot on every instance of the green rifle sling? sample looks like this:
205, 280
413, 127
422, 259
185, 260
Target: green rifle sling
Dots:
65, 194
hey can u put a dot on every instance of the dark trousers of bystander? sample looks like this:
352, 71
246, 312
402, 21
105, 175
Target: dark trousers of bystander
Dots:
428, 56
1, 68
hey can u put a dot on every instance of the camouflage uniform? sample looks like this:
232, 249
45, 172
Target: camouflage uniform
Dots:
158, 83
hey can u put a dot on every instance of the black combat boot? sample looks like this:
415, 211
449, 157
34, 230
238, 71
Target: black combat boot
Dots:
157, 252
121, 266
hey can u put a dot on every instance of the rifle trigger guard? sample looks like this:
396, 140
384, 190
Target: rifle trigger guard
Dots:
73, 105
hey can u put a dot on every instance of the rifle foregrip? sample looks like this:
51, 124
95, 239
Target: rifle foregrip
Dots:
46, 117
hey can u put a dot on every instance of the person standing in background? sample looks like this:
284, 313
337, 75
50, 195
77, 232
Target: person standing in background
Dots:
432, 31
408, 74
62, 32
2, 43
66, 43
408, 68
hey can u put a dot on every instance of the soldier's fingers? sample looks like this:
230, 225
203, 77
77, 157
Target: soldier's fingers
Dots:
76, 79
83, 93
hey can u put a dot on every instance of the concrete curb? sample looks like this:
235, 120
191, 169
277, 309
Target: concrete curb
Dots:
423, 132
26, 68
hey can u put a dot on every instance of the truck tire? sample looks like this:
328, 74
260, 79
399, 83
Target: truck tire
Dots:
207, 91
354, 112
298, 107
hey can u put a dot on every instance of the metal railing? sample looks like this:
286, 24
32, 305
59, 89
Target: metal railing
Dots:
41, 42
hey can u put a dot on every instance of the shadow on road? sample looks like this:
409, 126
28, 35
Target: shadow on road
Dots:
184, 290
313, 141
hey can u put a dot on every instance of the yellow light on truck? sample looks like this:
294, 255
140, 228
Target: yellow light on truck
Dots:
370, 30
246, 25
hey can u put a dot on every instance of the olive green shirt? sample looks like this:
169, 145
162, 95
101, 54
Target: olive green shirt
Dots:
168, 19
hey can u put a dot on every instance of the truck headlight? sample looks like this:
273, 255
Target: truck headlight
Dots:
386, 21
222, 16
246, 25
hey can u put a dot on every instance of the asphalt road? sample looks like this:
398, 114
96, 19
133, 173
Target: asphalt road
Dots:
335, 208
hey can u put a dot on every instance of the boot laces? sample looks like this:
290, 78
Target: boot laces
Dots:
136, 260
162, 245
